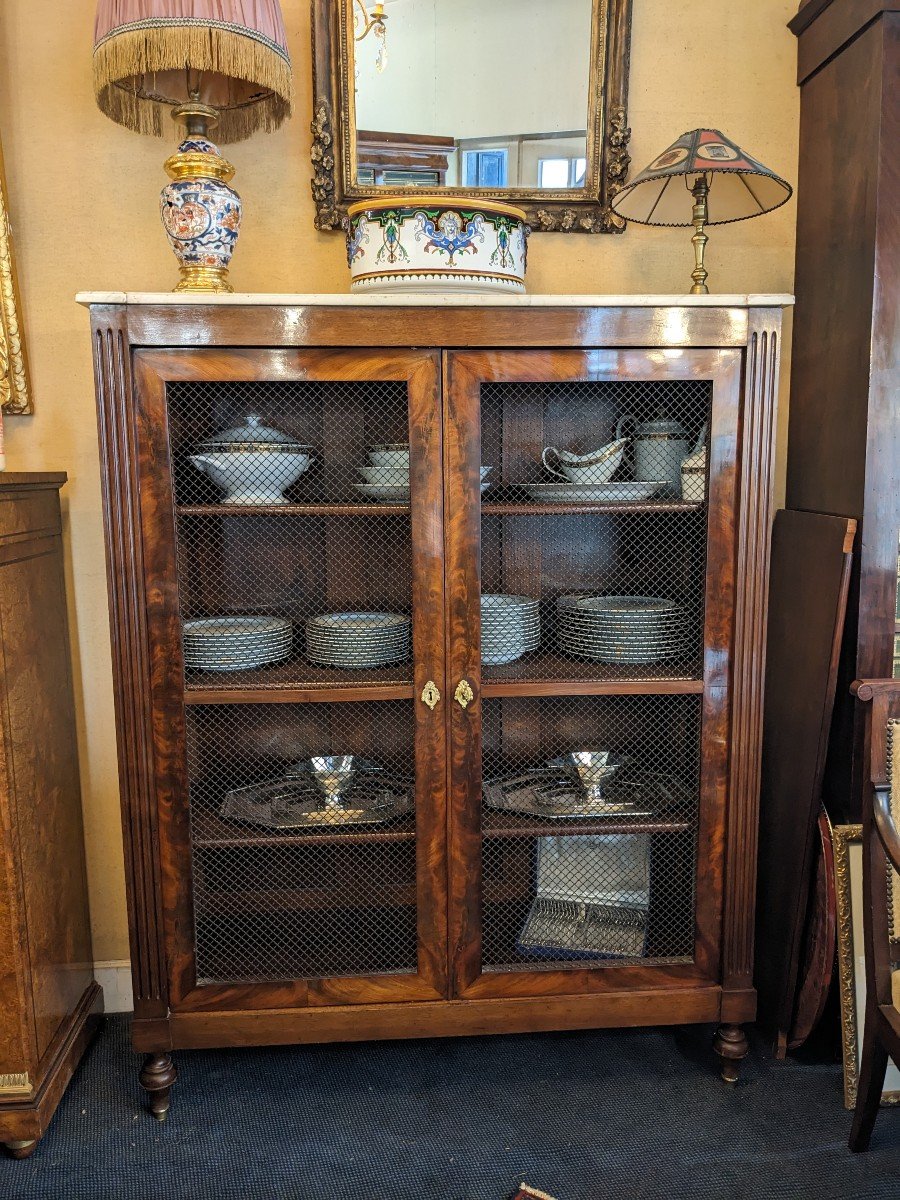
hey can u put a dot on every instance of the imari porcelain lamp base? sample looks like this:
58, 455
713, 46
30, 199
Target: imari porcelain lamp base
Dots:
200, 213
426, 244
209, 63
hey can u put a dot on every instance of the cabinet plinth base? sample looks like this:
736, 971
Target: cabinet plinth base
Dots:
24, 1122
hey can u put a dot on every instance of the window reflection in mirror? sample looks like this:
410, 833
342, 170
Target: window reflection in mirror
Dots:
481, 85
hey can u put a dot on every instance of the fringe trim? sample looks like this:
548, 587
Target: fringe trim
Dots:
131, 53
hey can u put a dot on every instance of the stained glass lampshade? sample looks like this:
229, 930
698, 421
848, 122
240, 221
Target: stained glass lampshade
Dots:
210, 63
702, 179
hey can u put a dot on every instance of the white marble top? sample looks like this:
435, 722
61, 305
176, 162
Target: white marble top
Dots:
439, 299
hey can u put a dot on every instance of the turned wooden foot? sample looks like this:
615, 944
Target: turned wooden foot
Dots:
157, 1078
21, 1149
731, 1045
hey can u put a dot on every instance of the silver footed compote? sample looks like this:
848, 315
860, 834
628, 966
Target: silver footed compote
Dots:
334, 773
593, 769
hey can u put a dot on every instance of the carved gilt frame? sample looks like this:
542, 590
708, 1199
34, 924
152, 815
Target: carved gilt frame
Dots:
15, 389
333, 130
848, 932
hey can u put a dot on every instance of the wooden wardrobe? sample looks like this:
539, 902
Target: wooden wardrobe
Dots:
49, 1002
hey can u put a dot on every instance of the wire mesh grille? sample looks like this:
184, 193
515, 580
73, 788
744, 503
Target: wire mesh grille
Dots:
294, 556
589, 830
294, 569
594, 544
322, 898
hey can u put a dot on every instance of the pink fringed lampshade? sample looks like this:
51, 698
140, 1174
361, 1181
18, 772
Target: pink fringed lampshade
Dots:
150, 55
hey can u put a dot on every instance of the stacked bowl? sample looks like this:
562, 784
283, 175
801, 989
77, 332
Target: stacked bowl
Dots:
358, 640
621, 629
386, 476
236, 643
510, 628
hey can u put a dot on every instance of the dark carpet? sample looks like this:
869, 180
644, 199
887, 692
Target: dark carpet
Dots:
583, 1116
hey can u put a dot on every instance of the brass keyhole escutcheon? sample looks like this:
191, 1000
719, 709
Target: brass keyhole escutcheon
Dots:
464, 694
431, 696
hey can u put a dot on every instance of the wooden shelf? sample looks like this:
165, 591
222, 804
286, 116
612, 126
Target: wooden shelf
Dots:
498, 824
212, 832
553, 674
296, 681
292, 510
492, 508
526, 508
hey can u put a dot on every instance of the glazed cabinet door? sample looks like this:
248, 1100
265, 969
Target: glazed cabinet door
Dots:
292, 558
590, 626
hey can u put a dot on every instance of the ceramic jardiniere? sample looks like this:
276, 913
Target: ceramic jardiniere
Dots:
422, 244
201, 215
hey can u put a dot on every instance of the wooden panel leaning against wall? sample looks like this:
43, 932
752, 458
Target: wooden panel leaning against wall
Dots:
49, 1002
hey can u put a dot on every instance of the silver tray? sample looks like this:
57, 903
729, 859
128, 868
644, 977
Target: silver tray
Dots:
297, 802
550, 792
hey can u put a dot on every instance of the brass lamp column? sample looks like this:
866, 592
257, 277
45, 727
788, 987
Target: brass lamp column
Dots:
700, 192
711, 165
210, 63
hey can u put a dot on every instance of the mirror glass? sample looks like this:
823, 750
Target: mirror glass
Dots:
472, 93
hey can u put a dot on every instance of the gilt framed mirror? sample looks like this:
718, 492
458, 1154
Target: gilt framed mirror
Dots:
520, 100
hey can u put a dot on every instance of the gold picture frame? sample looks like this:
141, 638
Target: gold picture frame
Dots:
848, 860
15, 387
578, 210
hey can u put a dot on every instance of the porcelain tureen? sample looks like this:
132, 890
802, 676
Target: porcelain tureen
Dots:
253, 463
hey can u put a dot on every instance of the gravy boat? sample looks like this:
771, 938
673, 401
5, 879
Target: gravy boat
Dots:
597, 466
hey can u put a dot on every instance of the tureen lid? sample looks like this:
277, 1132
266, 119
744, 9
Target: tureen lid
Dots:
253, 435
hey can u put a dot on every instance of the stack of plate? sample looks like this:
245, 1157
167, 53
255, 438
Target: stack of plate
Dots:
358, 639
510, 627
621, 629
236, 643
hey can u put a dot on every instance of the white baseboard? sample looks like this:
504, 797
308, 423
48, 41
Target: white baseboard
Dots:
115, 979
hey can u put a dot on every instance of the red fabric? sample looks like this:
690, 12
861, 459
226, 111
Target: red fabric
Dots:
260, 16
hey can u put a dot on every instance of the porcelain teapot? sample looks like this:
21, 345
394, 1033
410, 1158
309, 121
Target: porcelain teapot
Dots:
597, 466
660, 447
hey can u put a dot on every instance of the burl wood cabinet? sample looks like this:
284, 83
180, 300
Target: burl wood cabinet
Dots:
49, 1002
502, 898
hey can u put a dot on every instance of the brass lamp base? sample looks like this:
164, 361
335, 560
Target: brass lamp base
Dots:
201, 214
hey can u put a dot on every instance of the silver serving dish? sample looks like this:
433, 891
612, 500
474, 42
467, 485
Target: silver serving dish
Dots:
552, 793
331, 790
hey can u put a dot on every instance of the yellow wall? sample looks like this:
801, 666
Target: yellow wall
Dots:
82, 195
